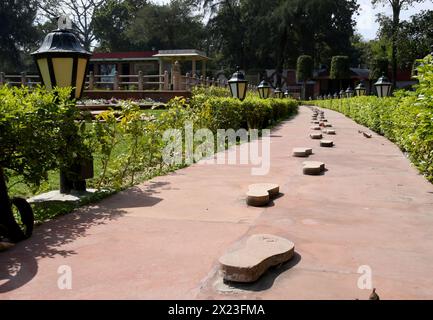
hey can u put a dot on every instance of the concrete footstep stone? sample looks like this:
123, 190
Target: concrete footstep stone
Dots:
302, 152
260, 194
328, 125
260, 252
316, 136
330, 131
316, 128
313, 167
327, 143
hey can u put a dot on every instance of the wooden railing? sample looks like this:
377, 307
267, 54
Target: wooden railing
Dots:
132, 82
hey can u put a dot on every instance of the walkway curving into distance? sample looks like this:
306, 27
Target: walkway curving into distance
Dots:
162, 240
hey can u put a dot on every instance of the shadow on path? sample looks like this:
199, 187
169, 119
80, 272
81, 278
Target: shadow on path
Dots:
19, 265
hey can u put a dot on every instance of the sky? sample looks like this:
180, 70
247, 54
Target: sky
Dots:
366, 21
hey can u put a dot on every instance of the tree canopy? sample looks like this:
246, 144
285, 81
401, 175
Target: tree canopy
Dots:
255, 35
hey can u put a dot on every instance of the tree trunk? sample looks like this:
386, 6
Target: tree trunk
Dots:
395, 28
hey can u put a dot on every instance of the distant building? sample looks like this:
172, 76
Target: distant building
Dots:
148, 62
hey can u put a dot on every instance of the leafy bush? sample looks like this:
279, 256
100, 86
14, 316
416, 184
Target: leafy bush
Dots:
129, 147
406, 118
35, 126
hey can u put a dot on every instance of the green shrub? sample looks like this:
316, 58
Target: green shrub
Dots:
35, 126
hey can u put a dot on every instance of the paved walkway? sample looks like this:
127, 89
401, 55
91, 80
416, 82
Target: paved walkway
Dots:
162, 240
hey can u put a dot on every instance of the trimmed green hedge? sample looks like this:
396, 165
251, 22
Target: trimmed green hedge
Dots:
403, 120
252, 113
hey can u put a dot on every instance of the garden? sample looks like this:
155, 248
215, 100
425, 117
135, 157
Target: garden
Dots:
125, 144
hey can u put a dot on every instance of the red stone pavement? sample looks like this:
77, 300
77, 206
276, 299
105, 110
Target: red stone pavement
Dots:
162, 239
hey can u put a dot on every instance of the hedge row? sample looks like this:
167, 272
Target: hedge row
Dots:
406, 120
125, 148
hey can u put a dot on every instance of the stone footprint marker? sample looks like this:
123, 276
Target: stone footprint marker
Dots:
313, 168
260, 194
302, 152
250, 262
316, 136
326, 143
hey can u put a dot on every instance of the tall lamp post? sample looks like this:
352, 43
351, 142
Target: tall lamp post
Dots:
349, 92
278, 93
238, 85
383, 87
63, 62
264, 89
360, 89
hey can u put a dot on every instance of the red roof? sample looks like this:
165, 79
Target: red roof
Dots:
124, 55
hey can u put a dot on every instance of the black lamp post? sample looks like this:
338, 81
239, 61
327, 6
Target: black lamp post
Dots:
238, 85
264, 89
383, 87
278, 93
63, 62
360, 89
349, 92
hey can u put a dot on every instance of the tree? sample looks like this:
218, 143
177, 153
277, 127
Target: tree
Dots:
268, 34
340, 68
378, 67
172, 26
304, 71
81, 13
17, 32
397, 6
111, 22
413, 40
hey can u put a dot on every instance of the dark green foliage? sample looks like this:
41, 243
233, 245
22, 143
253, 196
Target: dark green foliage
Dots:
17, 32
379, 67
340, 68
304, 68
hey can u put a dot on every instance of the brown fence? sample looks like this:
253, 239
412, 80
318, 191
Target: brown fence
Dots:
132, 82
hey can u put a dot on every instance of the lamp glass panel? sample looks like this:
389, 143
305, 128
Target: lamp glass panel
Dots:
81, 73
45, 72
234, 90
242, 86
63, 71
388, 93
262, 93
380, 91
267, 92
